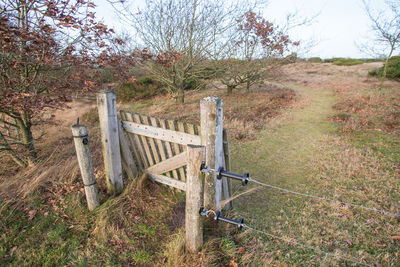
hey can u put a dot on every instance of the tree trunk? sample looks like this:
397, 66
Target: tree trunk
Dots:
181, 95
384, 73
248, 86
25, 128
385, 68
229, 89
6, 147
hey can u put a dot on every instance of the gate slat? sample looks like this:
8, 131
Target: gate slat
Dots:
169, 164
178, 149
168, 147
152, 141
145, 143
160, 144
132, 143
168, 181
138, 143
172, 136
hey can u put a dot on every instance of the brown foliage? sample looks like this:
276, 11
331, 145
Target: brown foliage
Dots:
48, 49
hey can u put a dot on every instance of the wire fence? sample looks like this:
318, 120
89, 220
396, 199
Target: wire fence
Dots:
317, 250
307, 247
325, 199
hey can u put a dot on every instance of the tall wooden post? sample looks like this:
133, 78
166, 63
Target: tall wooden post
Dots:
107, 106
211, 113
80, 135
194, 185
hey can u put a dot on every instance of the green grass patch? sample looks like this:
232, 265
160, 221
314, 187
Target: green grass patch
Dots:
44, 240
386, 144
315, 60
347, 62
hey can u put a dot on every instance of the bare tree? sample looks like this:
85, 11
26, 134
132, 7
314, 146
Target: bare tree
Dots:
181, 34
385, 23
251, 53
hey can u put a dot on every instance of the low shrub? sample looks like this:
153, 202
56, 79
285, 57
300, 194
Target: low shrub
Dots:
106, 75
367, 60
209, 73
347, 61
330, 60
143, 88
192, 84
315, 60
292, 58
393, 69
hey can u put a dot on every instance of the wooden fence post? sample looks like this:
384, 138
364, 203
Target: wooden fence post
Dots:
211, 118
80, 134
193, 222
107, 106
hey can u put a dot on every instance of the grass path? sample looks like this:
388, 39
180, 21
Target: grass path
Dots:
301, 151
281, 153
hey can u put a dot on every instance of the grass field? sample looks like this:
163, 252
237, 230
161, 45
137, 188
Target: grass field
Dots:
315, 128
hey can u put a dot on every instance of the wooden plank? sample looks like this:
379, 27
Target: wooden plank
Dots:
160, 133
182, 128
138, 142
159, 143
107, 107
132, 142
153, 147
126, 154
177, 149
146, 147
168, 147
168, 181
194, 185
169, 164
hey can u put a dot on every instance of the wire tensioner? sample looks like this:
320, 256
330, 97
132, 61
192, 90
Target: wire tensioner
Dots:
222, 173
218, 217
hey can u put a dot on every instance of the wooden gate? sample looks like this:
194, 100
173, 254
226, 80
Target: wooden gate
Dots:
160, 146
170, 152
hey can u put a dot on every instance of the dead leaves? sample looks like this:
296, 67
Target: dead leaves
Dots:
31, 214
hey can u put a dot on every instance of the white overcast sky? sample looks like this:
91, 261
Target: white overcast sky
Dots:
340, 24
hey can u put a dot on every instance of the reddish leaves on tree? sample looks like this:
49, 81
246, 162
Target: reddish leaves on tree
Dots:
258, 31
49, 49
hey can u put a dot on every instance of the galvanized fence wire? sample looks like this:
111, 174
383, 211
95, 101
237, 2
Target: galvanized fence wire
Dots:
317, 250
324, 198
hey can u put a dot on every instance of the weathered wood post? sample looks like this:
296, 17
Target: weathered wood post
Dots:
107, 106
80, 135
211, 118
193, 222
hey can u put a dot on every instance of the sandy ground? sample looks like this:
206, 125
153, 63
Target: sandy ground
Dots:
67, 117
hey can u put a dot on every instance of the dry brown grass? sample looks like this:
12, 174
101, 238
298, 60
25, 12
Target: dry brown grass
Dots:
245, 114
360, 105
